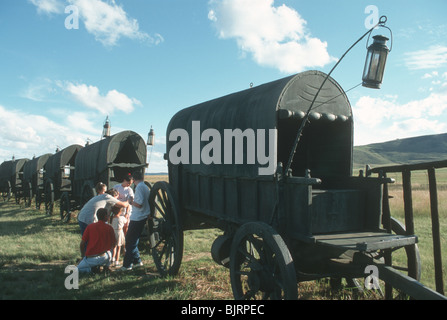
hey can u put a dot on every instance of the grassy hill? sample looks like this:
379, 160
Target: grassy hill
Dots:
409, 150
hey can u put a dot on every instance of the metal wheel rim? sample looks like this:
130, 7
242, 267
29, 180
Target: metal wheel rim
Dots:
165, 230
49, 198
261, 266
65, 208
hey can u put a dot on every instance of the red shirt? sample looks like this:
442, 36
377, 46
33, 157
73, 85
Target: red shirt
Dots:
99, 236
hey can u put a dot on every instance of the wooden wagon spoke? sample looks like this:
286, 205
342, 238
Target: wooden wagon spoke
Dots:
168, 251
162, 202
160, 210
165, 200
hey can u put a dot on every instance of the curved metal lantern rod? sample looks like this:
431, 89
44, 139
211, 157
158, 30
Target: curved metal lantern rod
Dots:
381, 23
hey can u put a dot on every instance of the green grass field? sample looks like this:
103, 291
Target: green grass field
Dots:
35, 250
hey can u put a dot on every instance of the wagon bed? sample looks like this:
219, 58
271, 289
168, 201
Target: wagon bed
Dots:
365, 241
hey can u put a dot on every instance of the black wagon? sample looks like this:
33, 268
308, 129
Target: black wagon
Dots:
226, 161
58, 175
15, 183
5, 179
108, 161
32, 184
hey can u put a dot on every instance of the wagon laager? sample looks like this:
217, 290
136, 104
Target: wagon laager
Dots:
58, 175
33, 179
314, 221
108, 161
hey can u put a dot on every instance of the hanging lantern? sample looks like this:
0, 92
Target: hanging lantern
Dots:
375, 62
106, 128
151, 137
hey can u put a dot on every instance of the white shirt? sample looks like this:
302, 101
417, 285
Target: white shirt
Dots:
88, 211
124, 194
141, 197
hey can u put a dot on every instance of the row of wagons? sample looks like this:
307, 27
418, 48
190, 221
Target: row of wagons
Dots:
70, 174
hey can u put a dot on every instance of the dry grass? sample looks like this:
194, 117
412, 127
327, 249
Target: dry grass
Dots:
36, 248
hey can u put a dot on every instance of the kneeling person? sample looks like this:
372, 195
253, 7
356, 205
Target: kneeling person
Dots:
100, 239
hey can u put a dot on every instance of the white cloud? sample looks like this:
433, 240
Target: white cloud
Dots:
107, 21
31, 134
378, 119
431, 58
112, 101
39, 89
430, 75
48, 6
274, 36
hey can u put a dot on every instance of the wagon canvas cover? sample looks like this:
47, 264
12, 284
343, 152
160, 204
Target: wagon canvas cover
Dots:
126, 148
326, 145
32, 167
6, 171
57, 161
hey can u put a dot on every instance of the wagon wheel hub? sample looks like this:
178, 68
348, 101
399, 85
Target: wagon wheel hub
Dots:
164, 228
261, 280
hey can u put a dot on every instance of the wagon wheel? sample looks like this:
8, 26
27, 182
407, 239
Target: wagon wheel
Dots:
40, 194
148, 184
412, 252
65, 207
165, 229
261, 266
28, 194
17, 194
49, 197
88, 192
6, 193
413, 259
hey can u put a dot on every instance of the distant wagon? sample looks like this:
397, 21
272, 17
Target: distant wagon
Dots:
5, 180
33, 179
11, 178
279, 228
59, 174
108, 161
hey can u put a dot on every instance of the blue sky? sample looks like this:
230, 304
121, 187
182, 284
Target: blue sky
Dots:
139, 62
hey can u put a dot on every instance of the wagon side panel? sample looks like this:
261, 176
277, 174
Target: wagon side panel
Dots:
297, 210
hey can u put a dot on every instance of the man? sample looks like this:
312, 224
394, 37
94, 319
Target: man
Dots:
87, 215
100, 239
140, 212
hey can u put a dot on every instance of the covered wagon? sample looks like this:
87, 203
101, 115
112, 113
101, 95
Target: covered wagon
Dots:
33, 179
5, 180
59, 174
227, 159
108, 161
16, 178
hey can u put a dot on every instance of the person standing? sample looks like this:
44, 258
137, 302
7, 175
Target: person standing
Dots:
126, 194
117, 220
140, 213
97, 241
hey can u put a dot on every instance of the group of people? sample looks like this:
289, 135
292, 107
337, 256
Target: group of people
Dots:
111, 220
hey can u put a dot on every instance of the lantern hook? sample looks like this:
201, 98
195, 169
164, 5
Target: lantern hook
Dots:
381, 23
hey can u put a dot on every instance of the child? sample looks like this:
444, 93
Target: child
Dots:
117, 221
